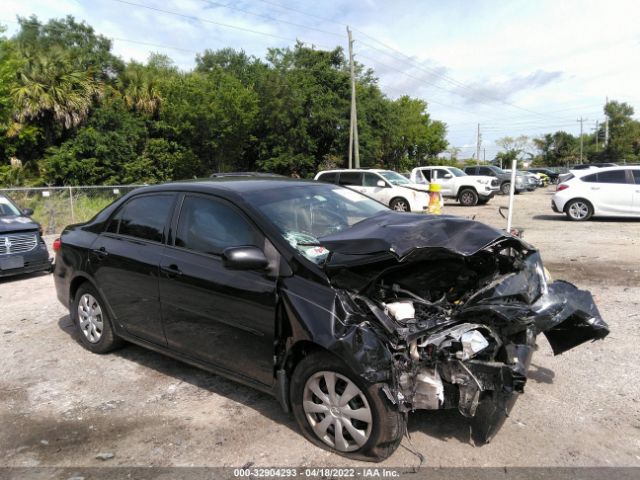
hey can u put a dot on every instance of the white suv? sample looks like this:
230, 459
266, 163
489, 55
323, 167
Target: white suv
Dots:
602, 192
385, 186
469, 190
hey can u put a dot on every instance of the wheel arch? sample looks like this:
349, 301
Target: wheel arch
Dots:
568, 202
400, 197
466, 187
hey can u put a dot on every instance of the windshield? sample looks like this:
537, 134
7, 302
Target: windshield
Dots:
499, 171
305, 213
7, 208
457, 172
394, 178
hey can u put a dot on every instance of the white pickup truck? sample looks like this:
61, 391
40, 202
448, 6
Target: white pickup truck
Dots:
466, 189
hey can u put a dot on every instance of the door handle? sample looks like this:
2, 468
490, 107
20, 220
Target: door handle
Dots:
171, 271
595, 188
100, 252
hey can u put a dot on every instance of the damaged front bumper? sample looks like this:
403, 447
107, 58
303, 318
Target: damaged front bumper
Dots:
461, 326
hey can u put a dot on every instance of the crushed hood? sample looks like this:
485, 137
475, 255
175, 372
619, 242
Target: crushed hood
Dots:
401, 234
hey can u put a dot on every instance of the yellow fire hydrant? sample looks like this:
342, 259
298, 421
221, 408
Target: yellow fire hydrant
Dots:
435, 199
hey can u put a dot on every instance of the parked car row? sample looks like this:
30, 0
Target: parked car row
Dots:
472, 186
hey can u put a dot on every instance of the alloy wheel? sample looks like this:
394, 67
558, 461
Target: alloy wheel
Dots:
90, 318
400, 207
579, 210
337, 411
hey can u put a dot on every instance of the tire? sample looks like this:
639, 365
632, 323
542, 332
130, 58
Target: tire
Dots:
578, 210
400, 205
468, 197
92, 321
505, 188
377, 431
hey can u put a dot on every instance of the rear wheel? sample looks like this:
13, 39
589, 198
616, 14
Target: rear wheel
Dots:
400, 205
92, 321
337, 411
468, 197
579, 210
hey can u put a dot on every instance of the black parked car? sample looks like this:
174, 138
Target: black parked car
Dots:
22, 249
553, 176
349, 313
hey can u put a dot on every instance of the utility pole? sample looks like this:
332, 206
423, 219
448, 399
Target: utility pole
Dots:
478, 145
606, 125
353, 132
581, 120
484, 155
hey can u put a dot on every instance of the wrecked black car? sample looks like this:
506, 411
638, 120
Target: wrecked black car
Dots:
352, 315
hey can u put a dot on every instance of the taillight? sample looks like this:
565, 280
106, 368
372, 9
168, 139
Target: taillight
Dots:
562, 186
57, 245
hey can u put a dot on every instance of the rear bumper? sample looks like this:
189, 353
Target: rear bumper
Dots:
553, 206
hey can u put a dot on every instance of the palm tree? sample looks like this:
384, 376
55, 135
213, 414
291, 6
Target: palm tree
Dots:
49, 88
139, 89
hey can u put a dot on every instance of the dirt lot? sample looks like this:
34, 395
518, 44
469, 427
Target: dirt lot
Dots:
61, 405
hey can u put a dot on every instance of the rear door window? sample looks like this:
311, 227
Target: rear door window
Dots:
613, 176
143, 217
486, 171
636, 176
350, 178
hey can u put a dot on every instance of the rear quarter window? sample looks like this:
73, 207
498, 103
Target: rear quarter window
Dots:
328, 177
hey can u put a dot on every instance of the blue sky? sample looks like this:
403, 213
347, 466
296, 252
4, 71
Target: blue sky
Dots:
515, 67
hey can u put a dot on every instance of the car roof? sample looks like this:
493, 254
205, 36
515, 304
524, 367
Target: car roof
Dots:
356, 170
240, 184
588, 171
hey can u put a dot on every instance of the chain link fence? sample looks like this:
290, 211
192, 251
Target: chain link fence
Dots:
56, 207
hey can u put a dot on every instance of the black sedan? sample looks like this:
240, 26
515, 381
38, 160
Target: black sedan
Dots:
350, 314
22, 249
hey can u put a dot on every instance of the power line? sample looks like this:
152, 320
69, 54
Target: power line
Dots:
206, 20
119, 39
269, 18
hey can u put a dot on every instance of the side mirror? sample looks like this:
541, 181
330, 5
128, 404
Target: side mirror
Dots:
381, 183
244, 258
447, 175
27, 212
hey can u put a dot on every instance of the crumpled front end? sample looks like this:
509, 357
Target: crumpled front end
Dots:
461, 327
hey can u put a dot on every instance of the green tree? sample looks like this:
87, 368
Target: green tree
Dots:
210, 114
624, 132
52, 92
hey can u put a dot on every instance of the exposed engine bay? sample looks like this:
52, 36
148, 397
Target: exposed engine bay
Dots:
459, 313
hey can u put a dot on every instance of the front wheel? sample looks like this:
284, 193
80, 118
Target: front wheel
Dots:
468, 198
579, 210
337, 411
505, 188
400, 205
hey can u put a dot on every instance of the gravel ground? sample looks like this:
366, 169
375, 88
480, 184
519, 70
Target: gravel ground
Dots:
62, 406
